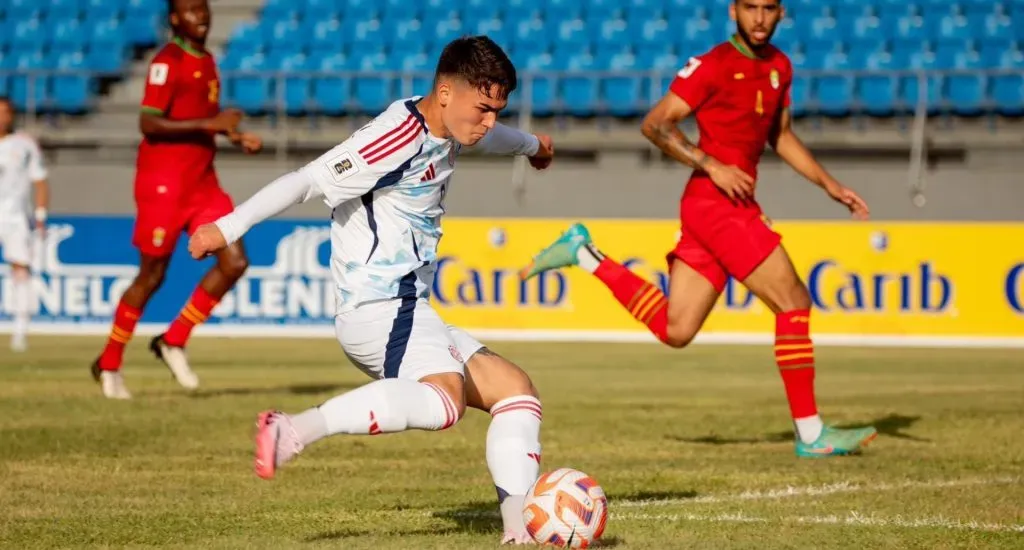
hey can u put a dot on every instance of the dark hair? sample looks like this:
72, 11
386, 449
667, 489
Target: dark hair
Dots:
480, 62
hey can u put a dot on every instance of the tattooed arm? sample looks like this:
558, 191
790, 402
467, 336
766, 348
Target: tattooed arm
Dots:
661, 127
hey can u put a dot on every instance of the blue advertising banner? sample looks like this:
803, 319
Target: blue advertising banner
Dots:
84, 264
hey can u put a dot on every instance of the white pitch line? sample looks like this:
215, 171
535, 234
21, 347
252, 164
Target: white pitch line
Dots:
813, 491
853, 519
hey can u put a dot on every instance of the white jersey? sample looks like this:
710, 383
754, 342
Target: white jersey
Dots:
386, 185
21, 164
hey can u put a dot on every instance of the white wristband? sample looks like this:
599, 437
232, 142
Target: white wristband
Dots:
41, 214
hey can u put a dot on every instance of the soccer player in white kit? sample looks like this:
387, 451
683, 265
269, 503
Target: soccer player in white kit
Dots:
386, 186
21, 168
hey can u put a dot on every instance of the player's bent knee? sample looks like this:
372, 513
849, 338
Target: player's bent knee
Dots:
454, 389
681, 334
233, 264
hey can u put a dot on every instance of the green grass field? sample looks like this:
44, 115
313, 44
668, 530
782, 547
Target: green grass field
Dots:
694, 448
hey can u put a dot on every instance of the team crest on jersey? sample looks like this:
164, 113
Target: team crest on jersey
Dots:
342, 166
773, 77
455, 354
158, 236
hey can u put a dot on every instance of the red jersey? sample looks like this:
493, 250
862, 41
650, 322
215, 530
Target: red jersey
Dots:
736, 98
182, 84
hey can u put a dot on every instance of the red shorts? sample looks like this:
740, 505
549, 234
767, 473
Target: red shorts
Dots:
165, 209
719, 239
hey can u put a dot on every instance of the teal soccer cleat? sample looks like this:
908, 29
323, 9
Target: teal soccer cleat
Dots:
836, 442
561, 253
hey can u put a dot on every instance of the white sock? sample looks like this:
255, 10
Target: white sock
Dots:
383, 406
809, 428
513, 454
22, 305
589, 257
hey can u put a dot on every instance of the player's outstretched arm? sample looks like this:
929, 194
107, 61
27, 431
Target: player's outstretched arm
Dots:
793, 151
504, 140
661, 127
290, 189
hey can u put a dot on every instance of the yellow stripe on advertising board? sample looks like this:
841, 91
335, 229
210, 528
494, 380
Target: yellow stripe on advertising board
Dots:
885, 279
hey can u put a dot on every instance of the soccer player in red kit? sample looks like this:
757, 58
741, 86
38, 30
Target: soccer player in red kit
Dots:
176, 189
739, 94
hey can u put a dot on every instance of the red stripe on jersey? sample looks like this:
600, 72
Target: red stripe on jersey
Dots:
396, 143
377, 141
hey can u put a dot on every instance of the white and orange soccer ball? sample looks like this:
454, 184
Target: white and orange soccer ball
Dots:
565, 508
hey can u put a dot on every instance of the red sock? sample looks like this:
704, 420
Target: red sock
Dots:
644, 301
125, 319
794, 353
195, 312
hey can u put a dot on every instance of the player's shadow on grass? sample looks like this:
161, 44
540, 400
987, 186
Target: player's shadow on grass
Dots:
893, 425
297, 389
483, 518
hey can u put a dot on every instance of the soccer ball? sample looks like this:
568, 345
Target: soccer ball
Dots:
565, 508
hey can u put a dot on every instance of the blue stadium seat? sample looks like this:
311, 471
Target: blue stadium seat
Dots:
495, 28
417, 74
481, 9
23, 10
621, 93
326, 37
800, 95
297, 87
613, 31
579, 91
28, 36
64, 9
73, 91
144, 28
910, 86
1008, 94
319, 10
877, 92
281, 10
373, 93
69, 36
250, 92
445, 31
571, 34
30, 90
663, 66
539, 85
602, 10
406, 37
99, 10
156, 8
644, 10
966, 92
331, 93
651, 36
563, 10
107, 49
835, 91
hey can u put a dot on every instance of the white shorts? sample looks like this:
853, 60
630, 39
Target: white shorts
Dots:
403, 338
16, 241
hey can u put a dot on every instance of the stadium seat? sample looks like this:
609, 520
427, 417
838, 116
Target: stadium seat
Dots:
539, 85
373, 92
878, 35
332, 94
877, 92
73, 90
250, 92
835, 91
297, 88
30, 88
621, 93
144, 28
966, 92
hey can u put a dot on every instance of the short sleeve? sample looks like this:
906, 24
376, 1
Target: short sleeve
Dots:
694, 83
160, 80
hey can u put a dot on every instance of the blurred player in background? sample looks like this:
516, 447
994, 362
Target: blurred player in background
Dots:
21, 169
739, 94
386, 186
176, 189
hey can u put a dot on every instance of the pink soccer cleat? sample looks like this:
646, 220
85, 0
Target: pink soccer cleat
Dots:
276, 442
